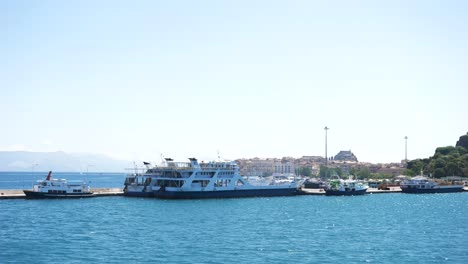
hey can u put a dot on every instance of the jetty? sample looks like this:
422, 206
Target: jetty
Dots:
307, 191
100, 192
97, 192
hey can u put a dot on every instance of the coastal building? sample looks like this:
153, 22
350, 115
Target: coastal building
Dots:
313, 159
256, 167
285, 166
346, 161
311, 162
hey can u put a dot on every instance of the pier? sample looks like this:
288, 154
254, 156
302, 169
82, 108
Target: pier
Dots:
307, 191
98, 192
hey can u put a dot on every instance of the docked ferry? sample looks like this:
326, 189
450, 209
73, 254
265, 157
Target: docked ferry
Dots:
421, 184
58, 188
345, 187
194, 180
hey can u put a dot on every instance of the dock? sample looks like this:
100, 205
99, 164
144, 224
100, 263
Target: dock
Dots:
369, 190
307, 191
98, 192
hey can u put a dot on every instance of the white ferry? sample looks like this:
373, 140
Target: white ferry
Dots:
421, 184
58, 188
193, 180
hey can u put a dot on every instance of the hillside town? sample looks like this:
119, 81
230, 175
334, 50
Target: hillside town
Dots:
345, 161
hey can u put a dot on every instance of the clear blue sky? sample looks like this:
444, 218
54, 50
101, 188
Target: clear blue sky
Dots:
134, 79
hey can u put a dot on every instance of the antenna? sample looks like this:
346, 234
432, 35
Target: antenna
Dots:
326, 157
406, 149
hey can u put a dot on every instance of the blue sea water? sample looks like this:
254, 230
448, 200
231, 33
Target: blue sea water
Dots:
25, 180
375, 228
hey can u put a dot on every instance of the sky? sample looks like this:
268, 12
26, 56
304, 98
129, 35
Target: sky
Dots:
139, 79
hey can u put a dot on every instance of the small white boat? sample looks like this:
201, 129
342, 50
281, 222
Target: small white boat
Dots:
58, 188
345, 187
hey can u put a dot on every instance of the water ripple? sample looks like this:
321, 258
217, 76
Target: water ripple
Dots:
308, 229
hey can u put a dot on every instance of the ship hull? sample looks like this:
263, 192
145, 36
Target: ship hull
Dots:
164, 194
40, 195
434, 190
346, 193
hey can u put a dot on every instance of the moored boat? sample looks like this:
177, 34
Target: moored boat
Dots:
421, 184
58, 189
193, 180
345, 187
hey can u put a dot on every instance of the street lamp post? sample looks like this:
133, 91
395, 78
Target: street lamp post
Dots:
406, 149
326, 157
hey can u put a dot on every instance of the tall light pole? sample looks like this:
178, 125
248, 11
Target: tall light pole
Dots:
326, 157
406, 149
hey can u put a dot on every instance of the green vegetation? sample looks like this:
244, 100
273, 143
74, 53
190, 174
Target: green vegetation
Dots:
326, 172
447, 161
381, 176
363, 173
304, 171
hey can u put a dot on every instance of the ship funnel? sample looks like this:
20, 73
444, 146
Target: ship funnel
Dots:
48, 176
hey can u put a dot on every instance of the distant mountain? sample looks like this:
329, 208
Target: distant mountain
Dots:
59, 161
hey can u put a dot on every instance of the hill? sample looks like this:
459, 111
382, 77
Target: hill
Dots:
59, 161
447, 161
463, 141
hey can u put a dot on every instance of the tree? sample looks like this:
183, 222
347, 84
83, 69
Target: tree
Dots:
452, 168
447, 161
305, 171
445, 150
408, 172
338, 171
416, 166
324, 172
384, 176
439, 163
364, 174
439, 173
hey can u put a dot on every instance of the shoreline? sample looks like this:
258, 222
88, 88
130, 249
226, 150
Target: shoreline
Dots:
100, 192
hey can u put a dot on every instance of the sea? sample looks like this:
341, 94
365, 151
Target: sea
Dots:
373, 228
